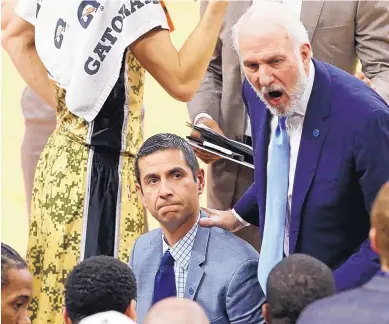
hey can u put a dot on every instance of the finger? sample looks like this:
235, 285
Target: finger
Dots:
360, 75
208, 211
195, 134
207, 222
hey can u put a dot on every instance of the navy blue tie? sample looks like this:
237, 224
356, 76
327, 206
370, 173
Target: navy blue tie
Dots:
165, 281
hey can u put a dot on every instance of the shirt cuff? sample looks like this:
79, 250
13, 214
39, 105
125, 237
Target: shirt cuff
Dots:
240, 219
201, 115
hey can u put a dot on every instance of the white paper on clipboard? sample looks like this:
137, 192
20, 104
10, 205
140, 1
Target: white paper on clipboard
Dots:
194, 144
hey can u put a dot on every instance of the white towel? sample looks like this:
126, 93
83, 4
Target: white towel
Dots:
82, 43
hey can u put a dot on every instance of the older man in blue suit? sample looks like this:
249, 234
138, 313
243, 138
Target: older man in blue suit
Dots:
216, 269
321, 151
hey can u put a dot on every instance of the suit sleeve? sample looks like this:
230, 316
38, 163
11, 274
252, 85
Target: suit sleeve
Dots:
372, 43
247, 206
208, 97
373, 168
245, 296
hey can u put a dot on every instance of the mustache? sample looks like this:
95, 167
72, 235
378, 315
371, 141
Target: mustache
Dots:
266, 90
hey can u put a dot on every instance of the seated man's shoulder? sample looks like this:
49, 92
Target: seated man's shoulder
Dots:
231, 245
340, 306
148, 237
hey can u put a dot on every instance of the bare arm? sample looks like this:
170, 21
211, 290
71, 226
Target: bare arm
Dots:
208, 98
180, 73
18, 39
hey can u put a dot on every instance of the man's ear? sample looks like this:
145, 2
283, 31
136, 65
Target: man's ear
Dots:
140, 194
266, 313
200, 181
373, 240
131, 310
66, 317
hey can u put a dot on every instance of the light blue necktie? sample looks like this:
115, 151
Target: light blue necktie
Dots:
276, 203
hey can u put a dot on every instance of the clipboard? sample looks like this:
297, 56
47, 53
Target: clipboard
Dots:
201, 147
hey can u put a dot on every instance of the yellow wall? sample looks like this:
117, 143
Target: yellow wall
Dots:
163, 114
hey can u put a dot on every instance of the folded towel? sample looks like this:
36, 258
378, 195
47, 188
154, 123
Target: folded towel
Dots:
82, 43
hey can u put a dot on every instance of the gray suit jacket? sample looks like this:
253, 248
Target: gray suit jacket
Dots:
222, 275
340, 33
364, 305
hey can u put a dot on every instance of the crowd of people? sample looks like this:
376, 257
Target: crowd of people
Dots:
303, 237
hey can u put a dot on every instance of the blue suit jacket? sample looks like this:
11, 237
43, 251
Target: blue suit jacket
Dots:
338, 173
222, 275
367, 304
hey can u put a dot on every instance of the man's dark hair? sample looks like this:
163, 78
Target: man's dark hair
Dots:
166, 141
10, 259
294, 283
99, 284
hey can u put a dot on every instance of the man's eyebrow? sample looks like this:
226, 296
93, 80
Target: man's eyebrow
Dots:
175, 170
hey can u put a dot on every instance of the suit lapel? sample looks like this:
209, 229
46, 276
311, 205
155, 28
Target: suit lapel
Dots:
195, 271
261, 155
315, 129
260, 118
310, 13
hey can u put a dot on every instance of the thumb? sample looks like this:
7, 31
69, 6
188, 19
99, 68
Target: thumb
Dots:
208, 221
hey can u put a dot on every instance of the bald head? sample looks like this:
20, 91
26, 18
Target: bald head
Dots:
379, 233
176, 311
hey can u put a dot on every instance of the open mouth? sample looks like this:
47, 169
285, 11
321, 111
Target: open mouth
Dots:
275, 94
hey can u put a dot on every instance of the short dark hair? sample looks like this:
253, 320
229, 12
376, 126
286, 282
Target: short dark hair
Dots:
10, 259
294, 283
166, 141
99, 284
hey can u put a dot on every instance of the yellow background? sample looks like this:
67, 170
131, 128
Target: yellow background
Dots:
163, 114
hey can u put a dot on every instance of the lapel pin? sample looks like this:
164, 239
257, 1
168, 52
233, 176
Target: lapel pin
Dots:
316, 132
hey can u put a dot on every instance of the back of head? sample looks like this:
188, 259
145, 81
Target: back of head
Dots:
380, 224
176, 311
99, 284
294, 283
10, 259
267, 16
110, 317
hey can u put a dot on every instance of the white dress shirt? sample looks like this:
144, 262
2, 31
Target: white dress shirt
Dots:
181, 253
294, 127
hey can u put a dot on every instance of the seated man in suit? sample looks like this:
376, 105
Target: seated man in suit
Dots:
369, 303
176, 311
97, 285
294, 283
210, 266
321, 151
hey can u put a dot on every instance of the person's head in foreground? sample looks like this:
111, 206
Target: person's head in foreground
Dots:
16, 287
110, 317
176, 311
275, 54
169, 182
99, 284
379, 230
293, 284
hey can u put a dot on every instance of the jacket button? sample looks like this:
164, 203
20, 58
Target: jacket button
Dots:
191, 291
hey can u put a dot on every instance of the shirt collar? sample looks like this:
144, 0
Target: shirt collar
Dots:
182, 250
303, 103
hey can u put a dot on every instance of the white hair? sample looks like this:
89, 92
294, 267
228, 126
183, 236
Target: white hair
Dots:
264, 16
